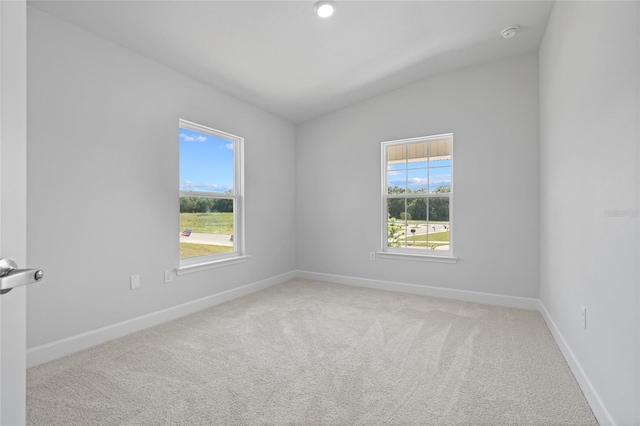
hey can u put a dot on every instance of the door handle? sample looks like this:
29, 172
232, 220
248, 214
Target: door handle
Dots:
12, 277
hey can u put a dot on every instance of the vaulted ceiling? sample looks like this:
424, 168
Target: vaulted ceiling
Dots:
278, 55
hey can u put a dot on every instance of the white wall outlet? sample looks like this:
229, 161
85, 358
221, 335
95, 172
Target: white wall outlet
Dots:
583, 313
372, 255
168, 276
135, 282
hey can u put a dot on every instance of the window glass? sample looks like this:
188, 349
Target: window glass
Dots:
206, 163
417, 195
210, 193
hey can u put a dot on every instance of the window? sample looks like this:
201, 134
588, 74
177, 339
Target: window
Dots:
416, 196
211, 192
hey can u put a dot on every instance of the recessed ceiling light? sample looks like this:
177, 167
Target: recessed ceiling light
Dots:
509, 32
324, 8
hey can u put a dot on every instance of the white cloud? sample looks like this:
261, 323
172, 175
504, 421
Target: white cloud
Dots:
187, 138
229, 145
203, 187
418, 181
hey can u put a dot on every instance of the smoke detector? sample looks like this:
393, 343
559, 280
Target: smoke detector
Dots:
509, 32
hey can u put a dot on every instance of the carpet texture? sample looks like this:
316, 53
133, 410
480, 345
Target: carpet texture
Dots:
313, 353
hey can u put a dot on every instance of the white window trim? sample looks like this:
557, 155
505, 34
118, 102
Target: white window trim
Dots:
211, 264
417, 257
200, 263
386, 252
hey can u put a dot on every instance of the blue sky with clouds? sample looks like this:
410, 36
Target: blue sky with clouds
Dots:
206, 162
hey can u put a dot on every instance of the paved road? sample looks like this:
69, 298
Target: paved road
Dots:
421, 229
211, 239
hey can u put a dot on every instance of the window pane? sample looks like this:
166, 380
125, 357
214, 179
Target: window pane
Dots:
438, 224
396, 154
418, 180
416, 235
396, 208
407, 223
440, 166
206, 226
206, 163
396, 169
417, 153
440, 149
397, 182
420, 171
440, 175
440, 179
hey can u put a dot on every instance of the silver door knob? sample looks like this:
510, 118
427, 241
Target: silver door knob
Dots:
12, 277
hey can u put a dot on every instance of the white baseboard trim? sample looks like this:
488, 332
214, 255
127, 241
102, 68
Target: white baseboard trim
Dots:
54, 350
599, 409
423, 290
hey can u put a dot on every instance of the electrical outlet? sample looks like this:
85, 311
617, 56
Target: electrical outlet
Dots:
135, 282
583, 312
372, 255
168, 276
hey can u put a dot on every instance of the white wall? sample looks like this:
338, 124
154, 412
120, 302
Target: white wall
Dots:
492, 111
103, 182
589, 164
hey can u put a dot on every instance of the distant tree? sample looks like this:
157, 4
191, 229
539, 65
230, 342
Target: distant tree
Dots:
203, 205
417, 208
223, 205
395, 190
187, 204
395, 206
439, 209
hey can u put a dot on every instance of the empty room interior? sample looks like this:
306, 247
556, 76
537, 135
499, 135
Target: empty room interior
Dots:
427, 212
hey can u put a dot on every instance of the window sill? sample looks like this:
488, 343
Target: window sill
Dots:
417, 257
211, 264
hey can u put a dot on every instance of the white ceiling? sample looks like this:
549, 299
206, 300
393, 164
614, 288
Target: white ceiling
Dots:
281, 57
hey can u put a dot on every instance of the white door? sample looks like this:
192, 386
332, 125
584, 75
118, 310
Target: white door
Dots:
13, 173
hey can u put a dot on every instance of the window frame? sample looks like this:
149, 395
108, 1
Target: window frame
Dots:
386, 251
193, 264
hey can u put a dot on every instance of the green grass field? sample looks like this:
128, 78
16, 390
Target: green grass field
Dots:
435, 237
207, 223
194, 250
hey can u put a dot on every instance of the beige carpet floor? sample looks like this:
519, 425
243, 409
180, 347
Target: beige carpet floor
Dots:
314, 353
